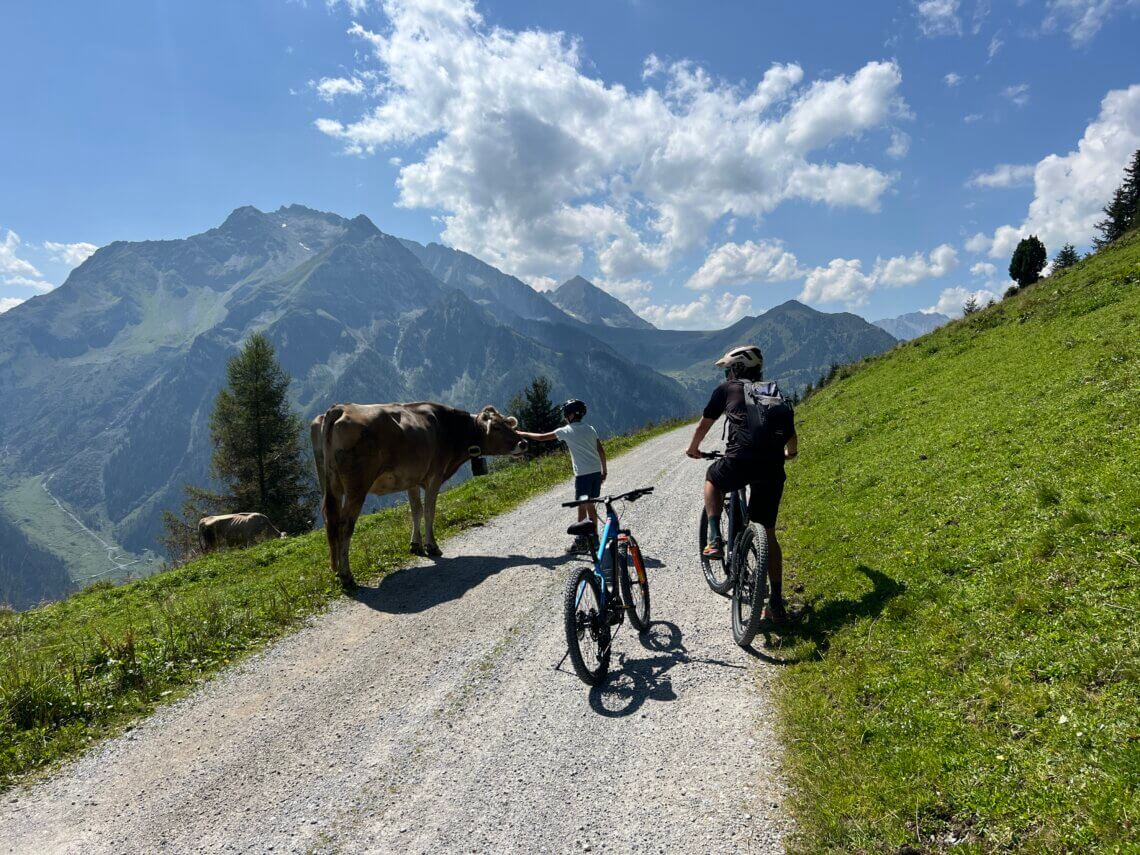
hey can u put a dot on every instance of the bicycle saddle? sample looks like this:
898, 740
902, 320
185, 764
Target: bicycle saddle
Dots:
584, 528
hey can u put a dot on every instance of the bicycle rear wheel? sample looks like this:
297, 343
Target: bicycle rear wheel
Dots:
715, 570
587, 630
634, 584
751, 584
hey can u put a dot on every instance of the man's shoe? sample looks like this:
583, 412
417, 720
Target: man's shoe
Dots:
775, 614
714, 551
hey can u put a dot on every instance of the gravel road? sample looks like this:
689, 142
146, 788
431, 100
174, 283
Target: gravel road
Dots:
426, 714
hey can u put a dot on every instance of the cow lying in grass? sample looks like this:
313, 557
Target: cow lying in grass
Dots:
385, 448
235, 530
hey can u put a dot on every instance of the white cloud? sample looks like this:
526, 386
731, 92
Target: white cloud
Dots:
356, 7
981, 12
1018, 95
532, 162
328, 88
701, 313
18, 271
900, 144
624, 289
953, 79
27, 282
1004, 175
983, 269
971, 118
843, 279
741, 263
1082, 19
952, 300
1070, 190
906, 270
978, 243
938, 17
995, 45
7, 303
71, 254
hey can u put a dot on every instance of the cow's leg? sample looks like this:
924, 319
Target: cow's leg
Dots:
349, 513
431, 493
417, 506
330, 507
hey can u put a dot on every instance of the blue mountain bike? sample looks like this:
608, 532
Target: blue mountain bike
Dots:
593, 606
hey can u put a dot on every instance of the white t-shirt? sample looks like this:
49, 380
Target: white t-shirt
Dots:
582, 440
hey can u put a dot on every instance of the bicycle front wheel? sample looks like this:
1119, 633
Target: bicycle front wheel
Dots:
715, 570
587, 630
634, 585
751, 584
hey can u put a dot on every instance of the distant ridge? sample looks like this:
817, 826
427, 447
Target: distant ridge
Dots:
912, 325
588, 303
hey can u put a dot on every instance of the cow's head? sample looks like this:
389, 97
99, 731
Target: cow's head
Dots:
498, 434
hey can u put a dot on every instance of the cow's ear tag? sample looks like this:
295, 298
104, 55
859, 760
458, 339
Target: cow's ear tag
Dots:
474, 451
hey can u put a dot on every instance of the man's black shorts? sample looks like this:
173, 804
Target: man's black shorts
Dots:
766, 486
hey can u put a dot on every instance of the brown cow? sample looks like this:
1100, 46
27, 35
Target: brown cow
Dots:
234, 530
383, 448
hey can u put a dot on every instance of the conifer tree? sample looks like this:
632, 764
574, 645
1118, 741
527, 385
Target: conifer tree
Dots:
536, 412
1123, 212
1028, 261
971, 306
1066, 258
257, 441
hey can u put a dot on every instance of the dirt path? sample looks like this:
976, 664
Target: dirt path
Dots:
426, 715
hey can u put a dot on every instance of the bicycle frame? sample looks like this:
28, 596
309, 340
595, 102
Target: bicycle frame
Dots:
608, 540
736, 502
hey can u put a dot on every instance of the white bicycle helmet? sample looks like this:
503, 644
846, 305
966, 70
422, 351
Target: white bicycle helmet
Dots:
746, 359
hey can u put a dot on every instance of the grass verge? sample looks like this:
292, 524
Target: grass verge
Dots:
79, 670
965, 517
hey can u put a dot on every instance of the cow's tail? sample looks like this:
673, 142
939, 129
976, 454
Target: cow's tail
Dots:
330, 505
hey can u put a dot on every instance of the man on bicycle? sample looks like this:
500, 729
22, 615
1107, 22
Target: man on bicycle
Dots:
761, 436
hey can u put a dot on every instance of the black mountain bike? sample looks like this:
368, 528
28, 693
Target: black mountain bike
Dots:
592, 607
742, 574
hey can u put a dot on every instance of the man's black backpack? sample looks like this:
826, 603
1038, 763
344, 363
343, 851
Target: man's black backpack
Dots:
769, 415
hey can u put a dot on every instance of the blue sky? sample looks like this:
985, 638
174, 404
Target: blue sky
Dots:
701, 161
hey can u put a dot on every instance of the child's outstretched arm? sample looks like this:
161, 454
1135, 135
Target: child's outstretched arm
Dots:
602, 454
537, 437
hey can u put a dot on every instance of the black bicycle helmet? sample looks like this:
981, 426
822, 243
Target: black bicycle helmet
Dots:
574, 407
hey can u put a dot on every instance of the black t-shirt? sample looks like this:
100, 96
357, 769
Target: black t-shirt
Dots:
762, 443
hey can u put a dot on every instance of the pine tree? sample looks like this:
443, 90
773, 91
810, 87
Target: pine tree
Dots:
536, 412
1115, 222
971, 306
1123, 212
1066, 258
1028, 261
257, 441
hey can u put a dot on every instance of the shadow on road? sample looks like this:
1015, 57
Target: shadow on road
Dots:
642, 679
416, 589
817, 625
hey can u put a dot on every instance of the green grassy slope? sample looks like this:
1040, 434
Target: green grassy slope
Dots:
78, 670
965, 518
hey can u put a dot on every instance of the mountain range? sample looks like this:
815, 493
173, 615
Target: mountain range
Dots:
109, 380
913, 324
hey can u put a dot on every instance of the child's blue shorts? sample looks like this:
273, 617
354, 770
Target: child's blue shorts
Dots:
588, 486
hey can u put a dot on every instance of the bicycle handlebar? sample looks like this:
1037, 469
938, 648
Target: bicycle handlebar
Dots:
712, 455
631, 496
